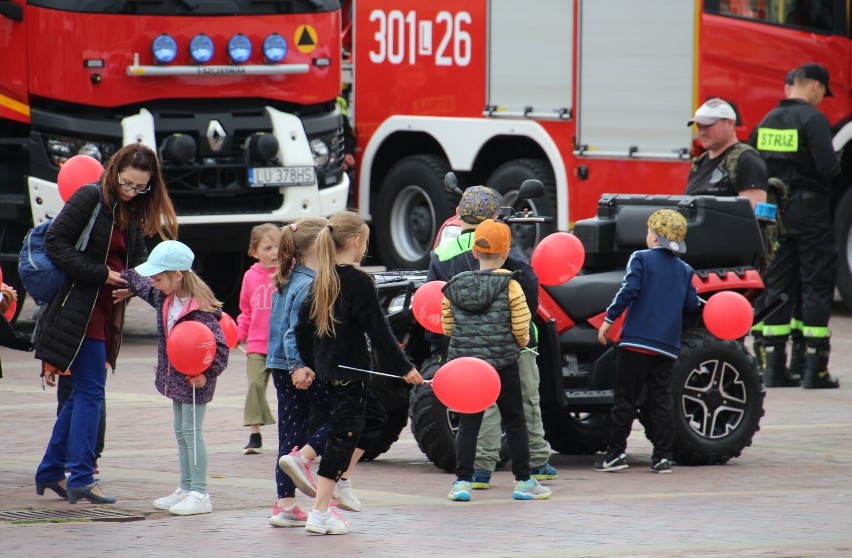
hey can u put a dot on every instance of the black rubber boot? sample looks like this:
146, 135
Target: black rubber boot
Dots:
776, 373
816, 366
797, 356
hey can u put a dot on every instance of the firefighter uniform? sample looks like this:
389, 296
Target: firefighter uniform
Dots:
795, 140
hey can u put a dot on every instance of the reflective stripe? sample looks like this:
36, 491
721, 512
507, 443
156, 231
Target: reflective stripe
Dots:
812, 332
782, 141
797, 324
343, 106
776, 330
757, 328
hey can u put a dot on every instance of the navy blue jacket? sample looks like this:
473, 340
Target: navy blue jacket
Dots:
656, 291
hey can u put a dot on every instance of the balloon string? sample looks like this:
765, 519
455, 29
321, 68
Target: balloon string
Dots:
376, 373
194, 444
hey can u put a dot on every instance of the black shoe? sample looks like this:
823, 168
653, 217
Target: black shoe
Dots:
612, 462
54, 486
661, 465
255, 444
88, 493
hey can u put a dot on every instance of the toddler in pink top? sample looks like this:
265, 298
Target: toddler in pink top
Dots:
253, 328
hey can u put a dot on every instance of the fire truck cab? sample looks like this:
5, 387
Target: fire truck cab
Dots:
589, 96
236, 96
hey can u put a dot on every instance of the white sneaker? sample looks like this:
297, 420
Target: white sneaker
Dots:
166, 502
299, 472
344, 496
193, 504
331, 525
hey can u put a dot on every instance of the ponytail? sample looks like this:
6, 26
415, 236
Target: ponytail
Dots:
296, 239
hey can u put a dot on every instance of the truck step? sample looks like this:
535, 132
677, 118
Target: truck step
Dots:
583, 398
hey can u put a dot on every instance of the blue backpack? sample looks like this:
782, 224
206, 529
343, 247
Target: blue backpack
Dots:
41, 277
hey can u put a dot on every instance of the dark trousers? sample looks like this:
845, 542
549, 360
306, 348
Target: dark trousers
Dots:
634, 371
75, 431
805, 264
64, 387
294, 411
511, 407
356, 420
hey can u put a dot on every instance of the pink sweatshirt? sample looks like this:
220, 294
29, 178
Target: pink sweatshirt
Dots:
255, 308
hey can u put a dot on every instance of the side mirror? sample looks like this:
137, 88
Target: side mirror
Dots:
451, 183
530, 189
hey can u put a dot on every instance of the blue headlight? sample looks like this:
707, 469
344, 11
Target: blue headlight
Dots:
275, 48
201, 49
164, 48
239, 48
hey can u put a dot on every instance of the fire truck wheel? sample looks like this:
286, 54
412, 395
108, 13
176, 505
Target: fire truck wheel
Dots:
576, 433
843, 231
718, 399
410, 207
508, 178
432, 424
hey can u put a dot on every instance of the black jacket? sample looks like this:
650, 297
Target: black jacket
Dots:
62, 326
358, 312
795, 140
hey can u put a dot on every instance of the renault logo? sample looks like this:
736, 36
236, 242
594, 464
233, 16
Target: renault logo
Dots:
216, 135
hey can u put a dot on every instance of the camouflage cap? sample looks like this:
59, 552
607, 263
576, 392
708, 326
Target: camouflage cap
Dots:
477, 204
670, 228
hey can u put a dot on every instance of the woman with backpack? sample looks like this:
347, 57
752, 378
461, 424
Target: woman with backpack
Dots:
80, 329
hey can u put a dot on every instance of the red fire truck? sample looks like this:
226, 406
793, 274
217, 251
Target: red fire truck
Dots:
590, 96
237, 97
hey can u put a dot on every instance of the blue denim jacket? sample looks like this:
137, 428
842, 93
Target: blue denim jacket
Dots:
283, 353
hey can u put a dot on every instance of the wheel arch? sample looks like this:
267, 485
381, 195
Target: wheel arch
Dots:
473, 146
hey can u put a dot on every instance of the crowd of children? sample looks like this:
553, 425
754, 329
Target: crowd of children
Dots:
311, 319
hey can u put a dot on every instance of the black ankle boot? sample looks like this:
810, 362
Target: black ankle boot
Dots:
816, 366
776, 373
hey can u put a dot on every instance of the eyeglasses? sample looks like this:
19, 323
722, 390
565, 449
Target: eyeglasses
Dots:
130, 187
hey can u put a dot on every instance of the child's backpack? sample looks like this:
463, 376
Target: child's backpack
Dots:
41, 277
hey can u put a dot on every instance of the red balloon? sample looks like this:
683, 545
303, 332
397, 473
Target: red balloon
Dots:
78, 171
467, 385
229, 328
558, 258
191, 348
426, 305
728, 315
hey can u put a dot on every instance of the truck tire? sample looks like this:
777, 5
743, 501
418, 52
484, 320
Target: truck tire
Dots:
411, 205
718, 399
433, 425
576, 433
843, 231
507, 178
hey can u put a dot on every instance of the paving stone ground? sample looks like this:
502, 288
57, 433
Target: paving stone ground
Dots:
790, 494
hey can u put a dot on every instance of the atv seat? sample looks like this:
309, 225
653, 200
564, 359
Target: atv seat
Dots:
585, 296
722, 231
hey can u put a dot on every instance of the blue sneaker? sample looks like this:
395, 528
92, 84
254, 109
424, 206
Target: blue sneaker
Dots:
481, 480
460, 492
530, 490
545, 472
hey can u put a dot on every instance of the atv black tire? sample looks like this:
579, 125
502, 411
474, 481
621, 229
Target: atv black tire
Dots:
576, 433
433, 425
718, 399
397, 419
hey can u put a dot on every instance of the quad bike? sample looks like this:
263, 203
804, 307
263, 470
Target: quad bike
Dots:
717, 390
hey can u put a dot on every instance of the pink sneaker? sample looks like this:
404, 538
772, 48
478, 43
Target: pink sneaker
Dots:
287, 517
299, 470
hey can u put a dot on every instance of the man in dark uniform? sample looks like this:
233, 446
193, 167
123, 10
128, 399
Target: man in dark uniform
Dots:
796, 142
711, 172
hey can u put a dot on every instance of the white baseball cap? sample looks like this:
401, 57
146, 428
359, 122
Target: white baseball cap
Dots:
169, 255
711, 111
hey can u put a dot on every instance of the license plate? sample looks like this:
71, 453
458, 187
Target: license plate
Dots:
281, 176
